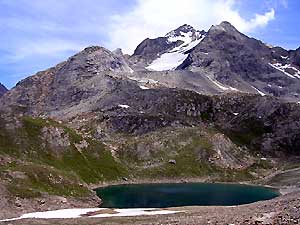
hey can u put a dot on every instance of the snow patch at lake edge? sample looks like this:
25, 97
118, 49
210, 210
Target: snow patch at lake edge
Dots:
93, 212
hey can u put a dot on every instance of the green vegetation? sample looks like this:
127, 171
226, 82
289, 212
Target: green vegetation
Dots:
67, 164
37, 179
92, 165
249, 130
230, 175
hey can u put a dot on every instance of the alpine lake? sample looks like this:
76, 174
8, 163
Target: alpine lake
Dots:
182, 194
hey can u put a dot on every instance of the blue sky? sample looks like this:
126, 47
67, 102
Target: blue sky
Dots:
37, 34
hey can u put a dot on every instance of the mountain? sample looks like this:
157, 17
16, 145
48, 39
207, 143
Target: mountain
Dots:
165, 53
73, 86
3, 90
214, 106
98, 83
225, 60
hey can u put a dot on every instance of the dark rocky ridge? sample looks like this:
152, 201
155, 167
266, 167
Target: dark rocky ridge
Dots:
3, 90
295, 57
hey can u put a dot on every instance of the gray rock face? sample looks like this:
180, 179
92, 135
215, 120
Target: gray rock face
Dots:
72, 86
3, 90
239, 53
151, 47
260, 122
233, 58
295, 57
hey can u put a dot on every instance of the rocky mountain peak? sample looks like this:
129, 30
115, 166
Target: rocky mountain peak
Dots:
226, 24
3, 89
225, 27
118, 51
184, 31
184, 28
97, 59
90, 49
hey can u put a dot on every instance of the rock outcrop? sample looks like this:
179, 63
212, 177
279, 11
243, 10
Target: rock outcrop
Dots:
3, 90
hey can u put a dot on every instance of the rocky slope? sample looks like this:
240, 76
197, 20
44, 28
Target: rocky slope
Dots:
72, 86
3, 90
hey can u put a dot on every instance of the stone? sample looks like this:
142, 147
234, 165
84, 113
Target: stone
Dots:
172, 161
42, 201
18, 203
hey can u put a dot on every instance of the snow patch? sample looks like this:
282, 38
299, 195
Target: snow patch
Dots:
144, 87
57, 214
124, 106
260, 92
144, 80
220, 85
77, 213
233, 89
167, 61
236, 114
282, 68
136, 212
175, 57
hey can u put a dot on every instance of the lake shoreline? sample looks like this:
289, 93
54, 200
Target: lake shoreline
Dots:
183, 181
262, 182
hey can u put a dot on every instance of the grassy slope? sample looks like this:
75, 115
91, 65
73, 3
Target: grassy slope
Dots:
49, 170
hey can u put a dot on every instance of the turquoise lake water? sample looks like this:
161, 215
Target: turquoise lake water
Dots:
188, 194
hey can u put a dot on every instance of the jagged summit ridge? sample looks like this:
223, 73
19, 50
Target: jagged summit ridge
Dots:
225, 26
3, 89
183, 32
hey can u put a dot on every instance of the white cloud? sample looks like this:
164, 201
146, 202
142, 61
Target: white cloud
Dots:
48, 47
152, 18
